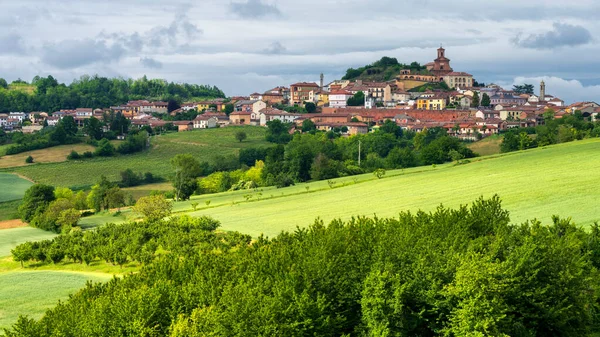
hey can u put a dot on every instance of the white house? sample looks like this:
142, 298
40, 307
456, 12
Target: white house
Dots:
339, 98
205, 122
267, 115
21, 116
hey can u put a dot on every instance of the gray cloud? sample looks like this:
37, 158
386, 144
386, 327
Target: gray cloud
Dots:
76, 53
11, 44
150, 63
562, 35
253, 9
275, 48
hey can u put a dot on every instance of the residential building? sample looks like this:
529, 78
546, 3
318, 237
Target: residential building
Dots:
205, 122
339, 98
269, 114
458, 80
240, 118
431, 103
250, 105
301, 92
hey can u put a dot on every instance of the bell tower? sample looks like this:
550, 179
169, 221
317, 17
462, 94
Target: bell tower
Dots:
441, 51
542, 91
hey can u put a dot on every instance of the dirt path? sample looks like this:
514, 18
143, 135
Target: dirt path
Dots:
7, 224
24, 177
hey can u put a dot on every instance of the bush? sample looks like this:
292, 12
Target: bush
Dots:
87, 155
73, 155
29, 160
105, 148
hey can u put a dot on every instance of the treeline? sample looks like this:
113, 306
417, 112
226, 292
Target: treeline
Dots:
65, 132
562, 130
96, 92
325, 155
386, 65
131, 242
452, 272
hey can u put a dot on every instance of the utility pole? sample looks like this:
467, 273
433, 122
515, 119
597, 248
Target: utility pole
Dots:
358, 153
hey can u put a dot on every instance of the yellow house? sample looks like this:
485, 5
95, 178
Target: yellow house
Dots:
431, 103
322, 98
205, 106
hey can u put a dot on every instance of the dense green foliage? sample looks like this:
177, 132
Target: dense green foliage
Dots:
464, 272
64, 133
383, 70
357, 100
319, 156
98, 92
36, 200
523, 89
561, 130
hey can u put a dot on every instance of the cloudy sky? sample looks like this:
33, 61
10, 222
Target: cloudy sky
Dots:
244, 46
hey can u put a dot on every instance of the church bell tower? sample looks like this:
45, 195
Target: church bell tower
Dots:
542, 91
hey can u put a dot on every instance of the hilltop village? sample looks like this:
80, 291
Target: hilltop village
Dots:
433, 95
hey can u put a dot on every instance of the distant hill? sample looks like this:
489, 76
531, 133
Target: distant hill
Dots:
47, 94
384, 70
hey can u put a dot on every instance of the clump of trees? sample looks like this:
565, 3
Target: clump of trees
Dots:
97, 92
455, 272
562, 130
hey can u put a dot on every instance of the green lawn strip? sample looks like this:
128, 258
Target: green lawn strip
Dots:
12, 187
33, 292
9, 210
532, 184
206, 145
10, 238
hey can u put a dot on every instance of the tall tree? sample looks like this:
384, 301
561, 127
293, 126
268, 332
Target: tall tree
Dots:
36, 200
187, 169
485, 100
475, 101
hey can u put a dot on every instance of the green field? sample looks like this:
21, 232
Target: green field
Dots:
537, 183
206, 145
32, 292
10, 238
12, 187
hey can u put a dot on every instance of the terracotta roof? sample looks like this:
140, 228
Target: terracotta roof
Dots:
305, 84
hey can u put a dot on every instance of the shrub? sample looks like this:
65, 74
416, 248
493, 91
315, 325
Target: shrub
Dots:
29, 160
73, 155
87, 154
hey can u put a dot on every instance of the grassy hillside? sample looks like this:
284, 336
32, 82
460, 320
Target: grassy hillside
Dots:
487, 146
206, 145
51, 155
12, 187
33, 292
536, 183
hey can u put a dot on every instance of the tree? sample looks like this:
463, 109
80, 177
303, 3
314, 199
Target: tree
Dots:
524, 141
229, 108
35, 201
105, 148
115, 198
69, 125
172, 105
391, 128
153, 208
357, 100
68, 218
308, 125
475, 101
29, 160
3, 83
277, 132
523, 89
187, 169
93, 127
310, 107
240, 136
485, 100
96, 199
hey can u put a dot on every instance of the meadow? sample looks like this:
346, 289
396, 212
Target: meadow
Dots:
537, 183
54, 154
33, 292
206, 145
487, 146
12, 187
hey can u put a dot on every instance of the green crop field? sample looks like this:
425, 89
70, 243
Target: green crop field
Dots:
33, 292
537, 183
206, 145
487, 146
10, 238
12, 187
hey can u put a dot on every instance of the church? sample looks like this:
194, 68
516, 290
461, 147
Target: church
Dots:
441, 65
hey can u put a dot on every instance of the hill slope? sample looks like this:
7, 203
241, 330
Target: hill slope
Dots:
536, 183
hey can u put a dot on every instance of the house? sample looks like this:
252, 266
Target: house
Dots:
3, 119
222, 118
84, 112
184, 125
21, 116
458, 80
156, 107
250, 105
283, 91
351, 128
52, 120
301, 92
433, 102
339, 98
272, 98
268, 114
205, 122
211, 106
240, 118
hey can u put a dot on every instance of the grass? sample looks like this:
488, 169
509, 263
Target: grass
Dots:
206, 145
10, 238
8, 210
33, 292
144, 190
54, 154
537, 183
12, 187
487, 146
